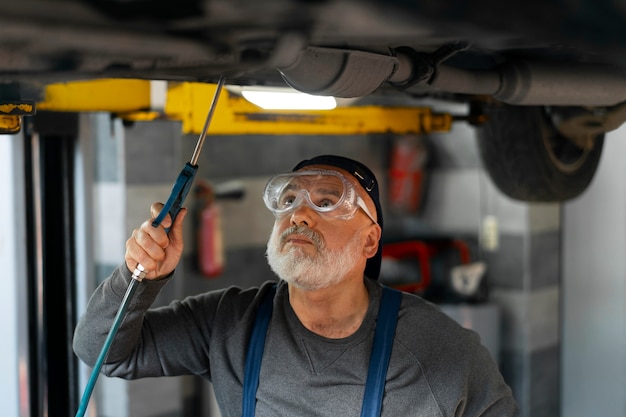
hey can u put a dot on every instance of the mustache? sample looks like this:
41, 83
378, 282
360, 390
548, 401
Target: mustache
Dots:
304, 231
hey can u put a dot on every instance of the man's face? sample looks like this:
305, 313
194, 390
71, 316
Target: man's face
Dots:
314, 251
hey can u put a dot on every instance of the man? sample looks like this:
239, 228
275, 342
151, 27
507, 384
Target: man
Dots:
323, 345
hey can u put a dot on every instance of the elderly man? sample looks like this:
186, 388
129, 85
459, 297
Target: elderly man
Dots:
325, 340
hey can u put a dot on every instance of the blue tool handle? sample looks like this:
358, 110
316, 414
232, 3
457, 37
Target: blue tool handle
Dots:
179, 193
84, 402
172, 206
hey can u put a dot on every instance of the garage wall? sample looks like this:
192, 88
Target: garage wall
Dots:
523, 270
594, 291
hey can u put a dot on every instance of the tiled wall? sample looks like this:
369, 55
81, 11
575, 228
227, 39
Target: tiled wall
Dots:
138, 165
523, 271
530, 304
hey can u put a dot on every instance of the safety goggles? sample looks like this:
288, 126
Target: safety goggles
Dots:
327, 192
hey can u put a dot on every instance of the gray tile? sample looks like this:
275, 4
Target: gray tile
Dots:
452, 202
505, 267
108, 140
508, 265
108, 228
237, 156
534, 380
513, 370
455, 149
544, 217
544, 382
530, 318
545, 252
153, 152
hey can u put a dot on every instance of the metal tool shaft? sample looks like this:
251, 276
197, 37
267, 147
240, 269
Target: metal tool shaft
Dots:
207, 122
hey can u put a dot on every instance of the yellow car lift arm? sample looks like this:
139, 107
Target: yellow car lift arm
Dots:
189, 102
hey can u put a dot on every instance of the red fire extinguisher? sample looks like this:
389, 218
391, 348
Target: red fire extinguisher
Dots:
407, 174
210, 241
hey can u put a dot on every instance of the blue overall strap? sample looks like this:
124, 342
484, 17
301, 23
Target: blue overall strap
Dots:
381, 352
255, 352
379, 358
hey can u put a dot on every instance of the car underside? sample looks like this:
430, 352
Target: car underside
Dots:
548, 76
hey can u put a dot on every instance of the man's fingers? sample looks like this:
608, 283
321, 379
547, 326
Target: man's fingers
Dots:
151, 238
155, 210
135, 254
152, 247
176, 231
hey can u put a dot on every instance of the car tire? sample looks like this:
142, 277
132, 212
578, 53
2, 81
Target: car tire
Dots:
528, 159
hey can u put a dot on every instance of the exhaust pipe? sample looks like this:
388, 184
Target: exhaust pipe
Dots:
346, 73
532, 83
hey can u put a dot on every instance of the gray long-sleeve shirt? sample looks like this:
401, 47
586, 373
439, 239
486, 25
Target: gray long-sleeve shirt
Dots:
437, 368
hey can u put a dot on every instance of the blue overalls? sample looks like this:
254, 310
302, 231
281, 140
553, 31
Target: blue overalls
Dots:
379, 357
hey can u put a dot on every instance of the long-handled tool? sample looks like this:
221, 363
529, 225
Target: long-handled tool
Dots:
172, 206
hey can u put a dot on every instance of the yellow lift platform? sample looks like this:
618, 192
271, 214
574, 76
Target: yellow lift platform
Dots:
188, 102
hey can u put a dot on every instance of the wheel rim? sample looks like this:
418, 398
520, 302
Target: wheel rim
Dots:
563, 153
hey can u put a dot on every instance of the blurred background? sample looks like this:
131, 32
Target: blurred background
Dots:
543, 284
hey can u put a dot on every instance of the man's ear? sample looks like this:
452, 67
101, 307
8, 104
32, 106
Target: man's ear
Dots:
372, 240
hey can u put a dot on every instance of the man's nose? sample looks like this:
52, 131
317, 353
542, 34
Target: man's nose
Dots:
302, 214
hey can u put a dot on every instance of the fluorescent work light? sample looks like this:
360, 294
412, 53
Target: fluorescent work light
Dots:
287, 99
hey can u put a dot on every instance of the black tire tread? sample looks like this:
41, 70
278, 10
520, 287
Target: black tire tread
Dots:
513, 153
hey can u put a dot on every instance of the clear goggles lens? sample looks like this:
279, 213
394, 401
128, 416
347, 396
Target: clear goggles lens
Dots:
327, 192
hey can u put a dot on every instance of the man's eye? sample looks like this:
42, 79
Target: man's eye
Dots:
286, 200
325, 203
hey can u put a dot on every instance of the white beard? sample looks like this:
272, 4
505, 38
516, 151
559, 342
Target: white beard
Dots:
311, 272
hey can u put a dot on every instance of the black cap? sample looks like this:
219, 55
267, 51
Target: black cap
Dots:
367, 179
